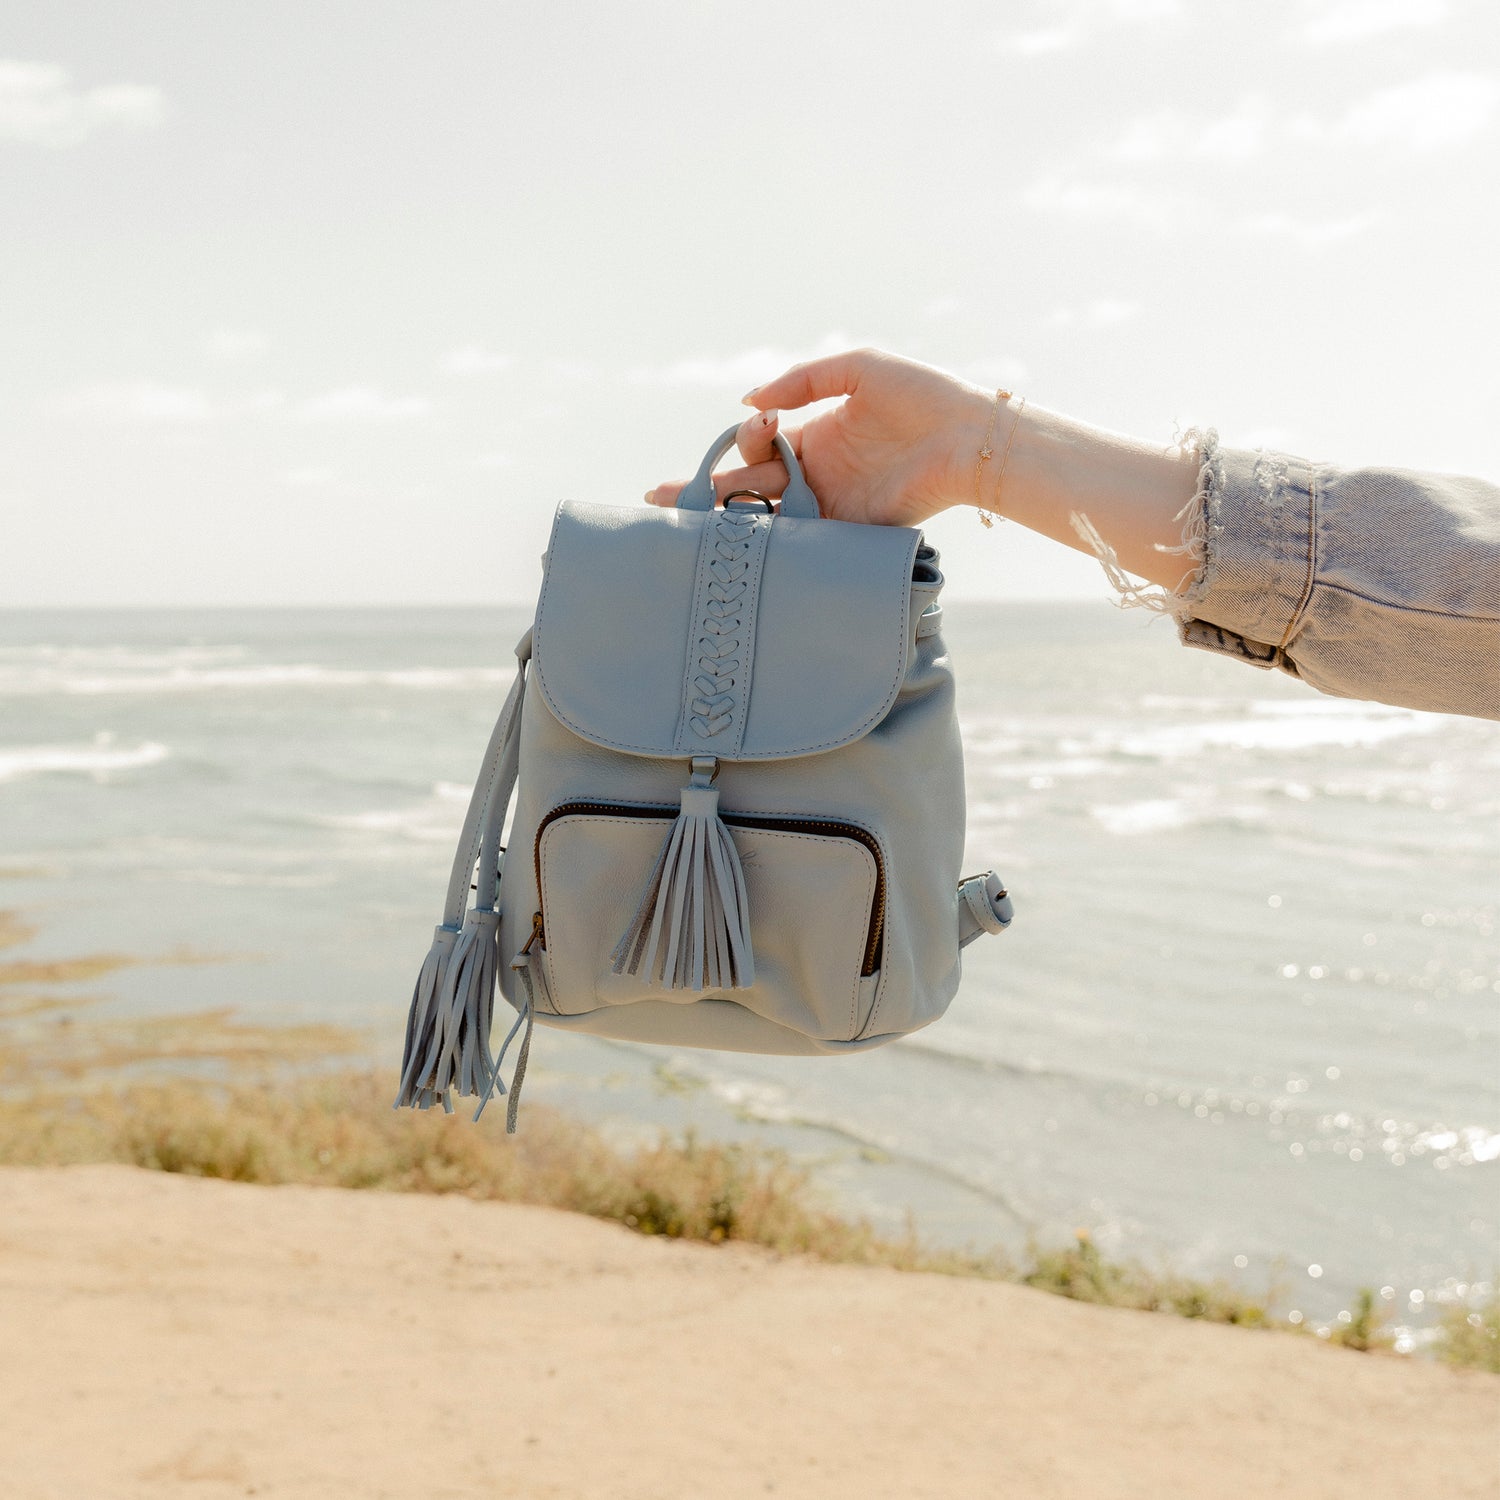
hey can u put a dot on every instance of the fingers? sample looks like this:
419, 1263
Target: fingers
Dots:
756, 438
763, 471
769, 479
665, 495
814, 380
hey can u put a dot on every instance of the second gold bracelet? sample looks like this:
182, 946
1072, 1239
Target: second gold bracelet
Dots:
986, 517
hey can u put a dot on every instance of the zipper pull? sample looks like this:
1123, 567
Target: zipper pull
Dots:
537, 936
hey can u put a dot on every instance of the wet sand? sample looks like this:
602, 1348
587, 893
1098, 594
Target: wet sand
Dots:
169, 1336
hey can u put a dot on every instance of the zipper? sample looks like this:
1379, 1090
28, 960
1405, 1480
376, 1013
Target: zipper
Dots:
733, 820
536, 934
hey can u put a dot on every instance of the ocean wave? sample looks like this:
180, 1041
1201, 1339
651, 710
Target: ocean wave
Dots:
1167, 814
177, 678
1040, 774
116, 658
1272, 728
433, 821
971, 1062
410, 823
310, 881
1182, 703
769, 1103
1159, 815
1043, 751
99, 759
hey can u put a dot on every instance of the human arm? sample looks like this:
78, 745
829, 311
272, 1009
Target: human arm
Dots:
1373, 583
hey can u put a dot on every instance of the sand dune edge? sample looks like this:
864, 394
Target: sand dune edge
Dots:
171, 1335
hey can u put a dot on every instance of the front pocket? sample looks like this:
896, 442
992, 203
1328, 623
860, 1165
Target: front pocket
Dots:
817, 905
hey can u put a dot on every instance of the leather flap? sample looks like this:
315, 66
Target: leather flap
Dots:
807, 655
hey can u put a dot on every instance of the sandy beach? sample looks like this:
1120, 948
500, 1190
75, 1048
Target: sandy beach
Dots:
175, 1336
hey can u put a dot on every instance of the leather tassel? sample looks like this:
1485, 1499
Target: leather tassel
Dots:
422, 1025
692, 928
452, 1007
448, 1032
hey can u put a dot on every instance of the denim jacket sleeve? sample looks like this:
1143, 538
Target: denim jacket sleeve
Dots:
1366, 583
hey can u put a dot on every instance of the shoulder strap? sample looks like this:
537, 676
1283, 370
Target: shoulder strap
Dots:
485, 820
448, 1025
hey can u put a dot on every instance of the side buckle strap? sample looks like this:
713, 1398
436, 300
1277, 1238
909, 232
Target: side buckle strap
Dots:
983, 906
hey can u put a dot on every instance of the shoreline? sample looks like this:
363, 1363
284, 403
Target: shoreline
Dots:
1178, 1107
460, 1347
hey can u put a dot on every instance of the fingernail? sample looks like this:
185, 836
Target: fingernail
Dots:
649, 494
768, 418
748, 398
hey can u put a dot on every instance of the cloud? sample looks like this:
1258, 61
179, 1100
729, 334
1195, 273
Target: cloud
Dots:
1078, 198
1427, 114
39, 106
474, 360
361, 403
140, 401
1039, 42
735, 371
155, 403
231, 344
1354, 20
1171, 136
1140, 11
1079, 22
1105, 312
256, 404
1311, 234
1234, 138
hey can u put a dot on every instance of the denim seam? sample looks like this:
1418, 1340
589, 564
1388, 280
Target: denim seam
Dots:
1311, 561
1409, 609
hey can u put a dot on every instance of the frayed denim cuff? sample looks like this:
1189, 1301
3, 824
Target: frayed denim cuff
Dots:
1366, 583
1249, 529
1253, 524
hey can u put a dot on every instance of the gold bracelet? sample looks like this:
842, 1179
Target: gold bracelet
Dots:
987, 452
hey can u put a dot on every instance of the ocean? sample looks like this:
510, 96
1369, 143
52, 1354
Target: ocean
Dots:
1244, 1025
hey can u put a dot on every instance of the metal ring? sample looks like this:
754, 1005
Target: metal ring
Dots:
754, 495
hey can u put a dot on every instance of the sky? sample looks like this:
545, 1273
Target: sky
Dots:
330, 301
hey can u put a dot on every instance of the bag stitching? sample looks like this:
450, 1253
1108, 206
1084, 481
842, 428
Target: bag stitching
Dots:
782, 754
721, 612
696, 627
758, 543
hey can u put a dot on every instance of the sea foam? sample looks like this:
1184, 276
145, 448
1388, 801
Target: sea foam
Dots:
98, 760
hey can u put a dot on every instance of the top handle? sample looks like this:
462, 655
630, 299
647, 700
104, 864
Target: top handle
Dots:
796, 500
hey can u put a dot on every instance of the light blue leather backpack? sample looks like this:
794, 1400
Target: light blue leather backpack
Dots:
739, 797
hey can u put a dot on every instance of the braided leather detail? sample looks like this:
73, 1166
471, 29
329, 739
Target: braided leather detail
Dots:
717, 680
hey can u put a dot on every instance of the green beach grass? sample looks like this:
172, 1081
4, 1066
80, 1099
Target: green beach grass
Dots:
67, 1097
339, 1130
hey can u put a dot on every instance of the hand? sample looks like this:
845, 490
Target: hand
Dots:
905, 445
901, 448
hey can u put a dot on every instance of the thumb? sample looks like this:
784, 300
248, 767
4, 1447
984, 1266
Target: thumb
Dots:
814, 380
